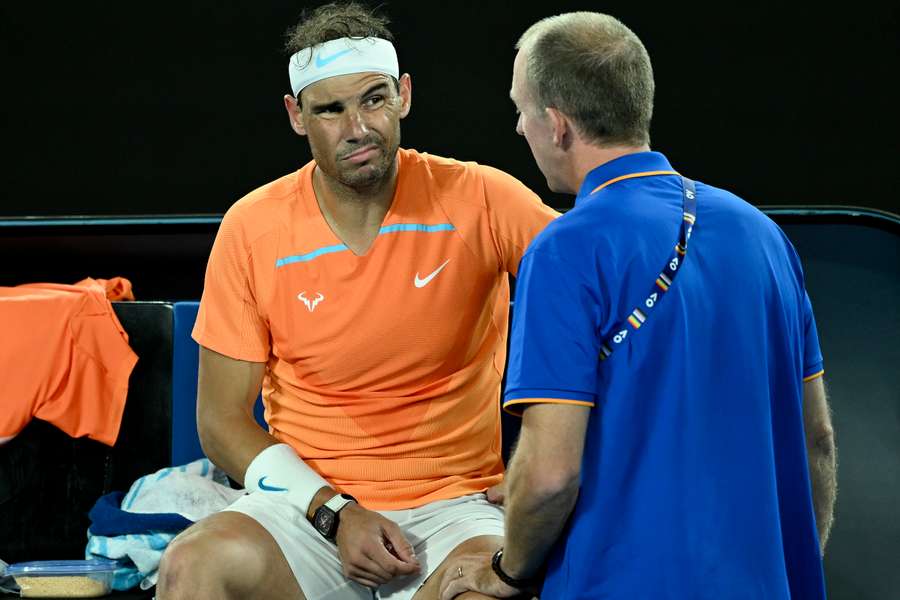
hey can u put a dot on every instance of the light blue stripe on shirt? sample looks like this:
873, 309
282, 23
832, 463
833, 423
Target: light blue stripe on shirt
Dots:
309, 256
416, 227
397, 227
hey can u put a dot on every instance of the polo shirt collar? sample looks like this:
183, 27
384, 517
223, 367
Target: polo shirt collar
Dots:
639, 162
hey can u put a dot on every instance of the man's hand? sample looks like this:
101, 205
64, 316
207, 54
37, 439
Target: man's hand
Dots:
497, 494
477, 575
373, 549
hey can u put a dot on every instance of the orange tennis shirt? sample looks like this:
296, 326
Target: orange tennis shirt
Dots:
64, 359
383, 369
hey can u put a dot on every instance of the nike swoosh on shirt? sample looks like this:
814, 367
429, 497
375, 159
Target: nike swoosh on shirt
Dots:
423, 282
269, 488
321, 61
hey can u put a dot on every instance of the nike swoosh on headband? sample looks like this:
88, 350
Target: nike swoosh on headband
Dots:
269, 488
321, 61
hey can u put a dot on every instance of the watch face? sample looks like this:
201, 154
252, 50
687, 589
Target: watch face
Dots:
324, 521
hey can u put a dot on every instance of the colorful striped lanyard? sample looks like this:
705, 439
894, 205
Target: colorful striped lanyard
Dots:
637, 317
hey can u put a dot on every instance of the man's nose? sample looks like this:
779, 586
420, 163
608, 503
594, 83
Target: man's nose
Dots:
355, 124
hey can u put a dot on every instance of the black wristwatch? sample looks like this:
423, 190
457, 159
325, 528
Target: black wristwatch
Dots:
327, 517
519, 584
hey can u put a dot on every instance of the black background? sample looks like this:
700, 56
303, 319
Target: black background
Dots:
175, 107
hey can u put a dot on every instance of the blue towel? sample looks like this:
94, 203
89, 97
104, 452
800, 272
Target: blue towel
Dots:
150, 515
107, 518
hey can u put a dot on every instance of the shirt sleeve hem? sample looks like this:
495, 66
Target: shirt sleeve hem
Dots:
813, 369
516, 407
517, 400
520, 393
819, 373
227, 349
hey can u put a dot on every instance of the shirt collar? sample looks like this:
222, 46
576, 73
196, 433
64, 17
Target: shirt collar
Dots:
639, 162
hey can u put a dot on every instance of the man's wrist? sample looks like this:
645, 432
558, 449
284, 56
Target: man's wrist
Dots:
327, 517
322, 496
509, 579
279, 472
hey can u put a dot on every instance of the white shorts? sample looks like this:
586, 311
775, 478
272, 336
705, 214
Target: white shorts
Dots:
434, 530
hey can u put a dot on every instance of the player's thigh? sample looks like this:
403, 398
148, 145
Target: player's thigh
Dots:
430, 590
227, 551
315, 561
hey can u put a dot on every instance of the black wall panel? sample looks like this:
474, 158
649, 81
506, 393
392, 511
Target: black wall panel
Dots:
853, 279
176, 107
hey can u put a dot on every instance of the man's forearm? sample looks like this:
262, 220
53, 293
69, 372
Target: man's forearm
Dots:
821, 454
542, 484
535, 516
232, 442
823, 478
227, 388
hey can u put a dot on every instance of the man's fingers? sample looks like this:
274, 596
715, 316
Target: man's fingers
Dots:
394, 565
372, 548
497, 494
454, 588
371, 567
452, 583
443, 587
398, 550
364, 581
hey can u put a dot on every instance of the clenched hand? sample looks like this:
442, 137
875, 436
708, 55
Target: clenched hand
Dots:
373, 549
497, 493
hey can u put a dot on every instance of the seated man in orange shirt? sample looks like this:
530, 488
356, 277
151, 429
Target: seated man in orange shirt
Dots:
367, 295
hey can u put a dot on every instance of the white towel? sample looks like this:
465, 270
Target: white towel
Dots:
7, 585
195, 490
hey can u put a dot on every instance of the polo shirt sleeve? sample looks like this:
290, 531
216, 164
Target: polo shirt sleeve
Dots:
515, 214
812, 353
229, 320
93, 401
554, 343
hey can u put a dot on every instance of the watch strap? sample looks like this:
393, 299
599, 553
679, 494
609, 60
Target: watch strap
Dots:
339, 501
327, 518
519, 584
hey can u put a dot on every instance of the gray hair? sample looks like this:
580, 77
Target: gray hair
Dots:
595, 70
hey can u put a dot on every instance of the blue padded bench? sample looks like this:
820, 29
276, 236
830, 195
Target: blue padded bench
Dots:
185, 361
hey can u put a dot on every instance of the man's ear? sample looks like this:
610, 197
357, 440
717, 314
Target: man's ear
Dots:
295, 114
561, 127
405, 94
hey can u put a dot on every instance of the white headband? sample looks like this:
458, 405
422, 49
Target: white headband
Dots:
342, 56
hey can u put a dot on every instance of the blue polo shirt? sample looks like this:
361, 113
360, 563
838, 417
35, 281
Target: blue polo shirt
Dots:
694, 477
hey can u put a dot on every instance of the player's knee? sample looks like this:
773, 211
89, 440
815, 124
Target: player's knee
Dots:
204, 560
175, 570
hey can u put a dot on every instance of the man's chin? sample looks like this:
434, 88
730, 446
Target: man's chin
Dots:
555, 187
364, 176
559, 187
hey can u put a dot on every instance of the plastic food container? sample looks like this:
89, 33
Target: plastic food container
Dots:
64, 578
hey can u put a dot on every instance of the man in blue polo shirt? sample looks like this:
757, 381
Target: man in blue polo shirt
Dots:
676, 440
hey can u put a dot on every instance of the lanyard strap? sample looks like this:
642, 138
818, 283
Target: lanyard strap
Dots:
637, 317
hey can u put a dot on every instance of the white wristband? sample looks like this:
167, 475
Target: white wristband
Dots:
278, 471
